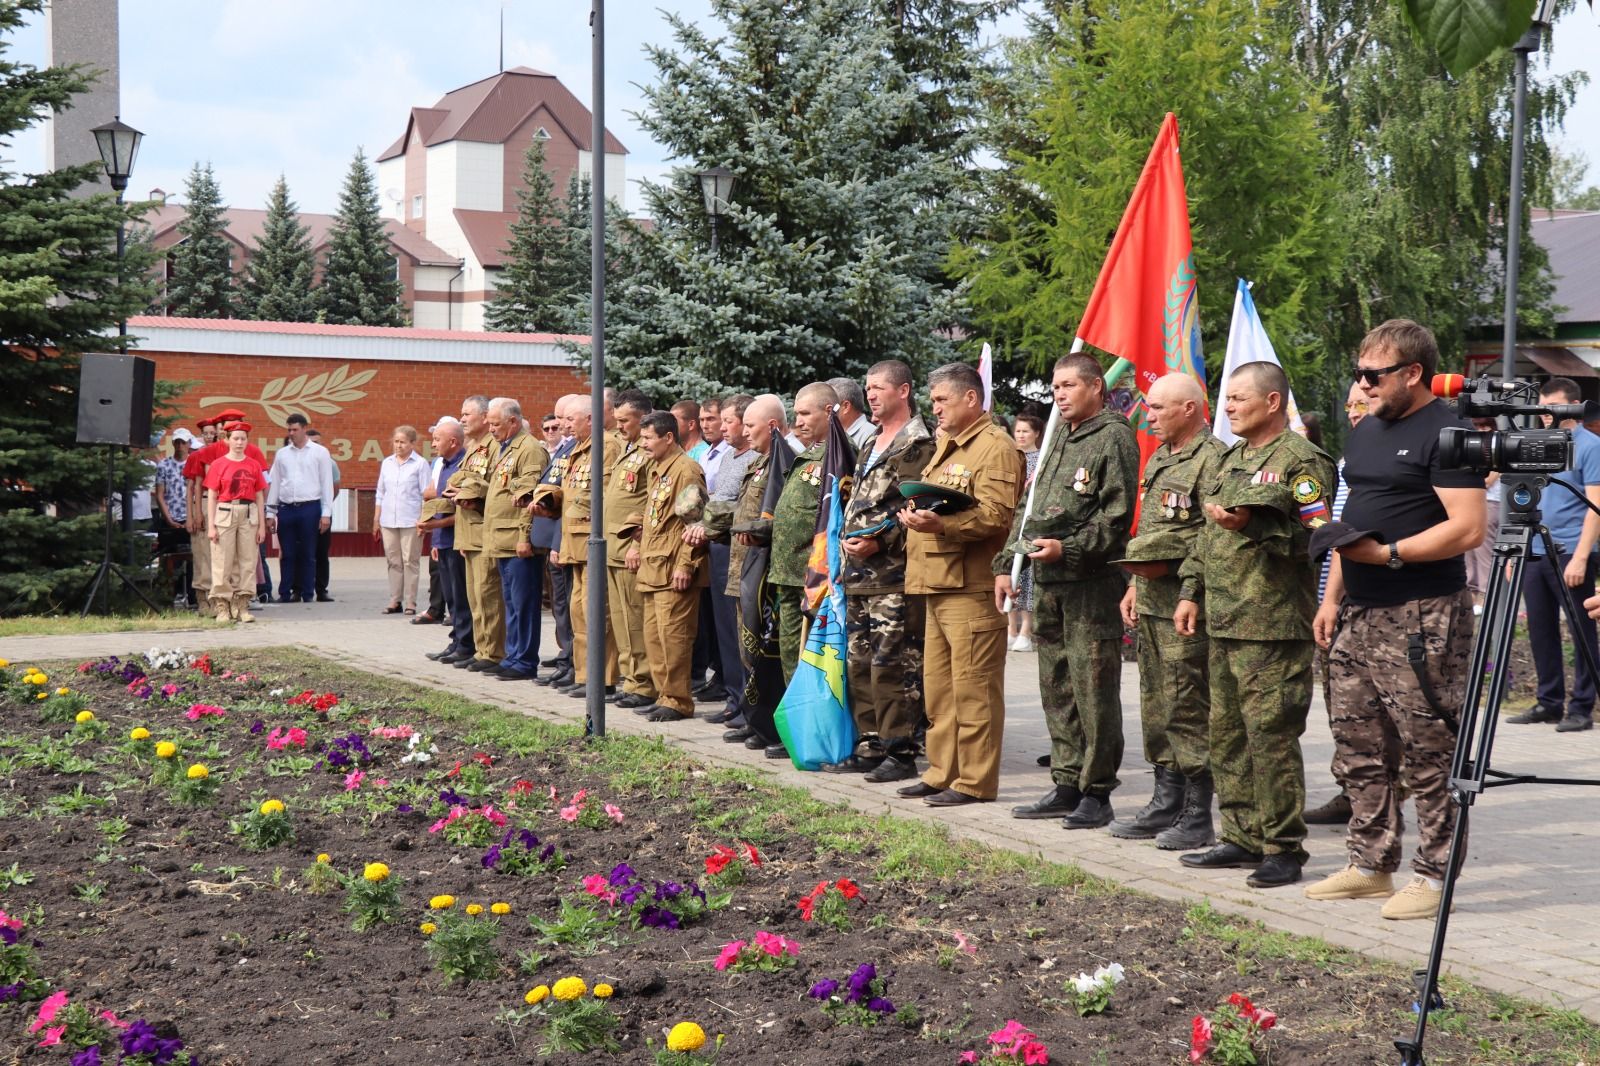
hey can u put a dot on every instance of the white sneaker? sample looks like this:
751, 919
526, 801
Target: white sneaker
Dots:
1023, 643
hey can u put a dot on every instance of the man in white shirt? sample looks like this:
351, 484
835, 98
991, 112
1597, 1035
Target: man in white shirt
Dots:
299, 507
852, 410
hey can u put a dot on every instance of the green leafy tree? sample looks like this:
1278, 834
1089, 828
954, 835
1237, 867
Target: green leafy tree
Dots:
278, 283
202, 283
62, 293
831, 254
1567, 173
1466, 32
1074, 115
359, 282
536, 289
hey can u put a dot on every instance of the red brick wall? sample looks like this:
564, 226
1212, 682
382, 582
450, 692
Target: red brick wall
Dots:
358, 432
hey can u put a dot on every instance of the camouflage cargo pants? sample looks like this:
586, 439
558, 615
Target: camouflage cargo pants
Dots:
791, 627
885, 667
1260, 695
1080, 684
1174, 697
1384, 732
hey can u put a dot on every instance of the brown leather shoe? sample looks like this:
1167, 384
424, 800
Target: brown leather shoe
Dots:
920, 790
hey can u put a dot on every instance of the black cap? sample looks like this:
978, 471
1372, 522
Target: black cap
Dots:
1336, 535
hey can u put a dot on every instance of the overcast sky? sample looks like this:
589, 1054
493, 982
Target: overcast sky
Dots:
293, 86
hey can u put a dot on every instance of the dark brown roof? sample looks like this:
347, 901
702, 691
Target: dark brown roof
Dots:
490, 110
245, 226
1572, 240
489, 232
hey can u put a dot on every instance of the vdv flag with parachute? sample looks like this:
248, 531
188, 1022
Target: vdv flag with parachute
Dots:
1247, 343
814, 717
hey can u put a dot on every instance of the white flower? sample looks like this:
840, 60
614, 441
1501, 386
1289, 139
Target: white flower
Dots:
416, 755
277, 692
1113, 971
1083, 984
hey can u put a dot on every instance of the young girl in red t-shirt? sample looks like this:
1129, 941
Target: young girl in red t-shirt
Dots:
236, 513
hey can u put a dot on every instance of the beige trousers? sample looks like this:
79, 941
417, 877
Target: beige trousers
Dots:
626, 607
487, 605
670, 620
579, 612
963, 684
400, 549
234, 553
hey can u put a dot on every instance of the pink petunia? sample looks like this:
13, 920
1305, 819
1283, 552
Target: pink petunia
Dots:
52, 1036
730, 952
1010, 1037
968, 1057
569, 814
614, 813
198, 711
111, 1018
599, 887
49, 1009
497, 817
1034, 1053
381, 782
8, 922
964, 944
353, 779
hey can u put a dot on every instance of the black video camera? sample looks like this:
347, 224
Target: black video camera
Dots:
1507, 448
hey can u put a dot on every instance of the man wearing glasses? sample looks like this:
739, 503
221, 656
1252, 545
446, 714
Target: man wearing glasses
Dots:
1397, 624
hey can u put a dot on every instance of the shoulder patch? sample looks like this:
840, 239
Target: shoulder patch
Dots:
1307, 489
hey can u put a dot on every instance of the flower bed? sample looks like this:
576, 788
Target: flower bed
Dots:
334, 867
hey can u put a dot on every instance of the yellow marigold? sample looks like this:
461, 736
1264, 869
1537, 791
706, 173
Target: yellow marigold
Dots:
84, 717
324, 858
166, 749
63, 691
198, 772
569, 988
42, 696
536, 995
603, 991
474, 909
442, 903
375, 871
686, 1036
272, 807
4, 663
40, 678
499, 908
139, 733
428, 928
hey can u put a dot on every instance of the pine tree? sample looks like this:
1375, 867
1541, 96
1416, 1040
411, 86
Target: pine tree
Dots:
831, 255
578, 256
535, 289
61, 293
277, 287
202, 277
359, 285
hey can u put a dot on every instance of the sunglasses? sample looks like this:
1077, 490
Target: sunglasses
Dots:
1356, 408
1372, 375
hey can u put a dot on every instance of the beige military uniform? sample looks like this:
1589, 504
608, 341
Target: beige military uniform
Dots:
964, 645
626, 490
471, 482
671, 618
576, 508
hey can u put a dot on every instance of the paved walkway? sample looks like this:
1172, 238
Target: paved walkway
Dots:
1526, 920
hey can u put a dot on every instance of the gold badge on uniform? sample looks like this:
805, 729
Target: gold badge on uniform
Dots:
1306, 489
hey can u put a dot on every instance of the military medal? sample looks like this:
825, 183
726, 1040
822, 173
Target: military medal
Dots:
1169, 501
1266, 477
1080, 481
1183, 507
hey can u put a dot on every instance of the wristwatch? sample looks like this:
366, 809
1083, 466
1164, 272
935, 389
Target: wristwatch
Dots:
1395, 562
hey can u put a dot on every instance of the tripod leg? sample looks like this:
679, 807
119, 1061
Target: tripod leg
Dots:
1569, 606
94, 587
134, 588
1474, 740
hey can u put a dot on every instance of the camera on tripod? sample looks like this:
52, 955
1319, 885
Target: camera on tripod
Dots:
1507, 448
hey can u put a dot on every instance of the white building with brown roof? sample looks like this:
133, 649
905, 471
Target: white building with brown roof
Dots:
452, 178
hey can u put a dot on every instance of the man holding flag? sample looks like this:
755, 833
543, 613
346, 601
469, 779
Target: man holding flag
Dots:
948, 559
1082, 511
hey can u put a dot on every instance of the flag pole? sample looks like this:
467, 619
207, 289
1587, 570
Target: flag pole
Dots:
1044, 450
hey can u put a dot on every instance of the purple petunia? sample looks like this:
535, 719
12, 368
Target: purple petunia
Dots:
491, 856
824, 989
668, 890
404, 808
10, 992
548, 852
879, 1005
620, 873
859, 984
140, 1038
8, 935
257, 726
659, 918
348, 751
451, 798
89, 1056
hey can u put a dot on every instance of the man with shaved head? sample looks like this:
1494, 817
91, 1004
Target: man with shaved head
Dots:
1252, 574
1174, 689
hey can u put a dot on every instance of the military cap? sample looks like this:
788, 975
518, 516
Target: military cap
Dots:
548, 495
438, 507
1164, 547
926, 496
1336, 535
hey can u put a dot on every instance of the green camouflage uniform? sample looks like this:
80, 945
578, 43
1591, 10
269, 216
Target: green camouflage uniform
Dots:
744, 510
793, 526
1259, 589
1174, 690
1083, 496
883, 625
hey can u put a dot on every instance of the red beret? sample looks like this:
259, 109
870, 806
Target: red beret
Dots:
204, 422
228, 414
236, 424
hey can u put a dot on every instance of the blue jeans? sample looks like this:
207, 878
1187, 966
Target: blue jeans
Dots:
453, 576
1541, 594
522, 586
297, 537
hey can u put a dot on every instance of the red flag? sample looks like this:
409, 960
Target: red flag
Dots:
1145, 306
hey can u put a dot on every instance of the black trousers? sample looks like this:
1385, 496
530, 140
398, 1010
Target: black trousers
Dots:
436, 594
453, 586
561, 608
324, 542
725, 618
1541, 594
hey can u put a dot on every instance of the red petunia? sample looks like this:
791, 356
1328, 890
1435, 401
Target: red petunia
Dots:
847, 888
752, 854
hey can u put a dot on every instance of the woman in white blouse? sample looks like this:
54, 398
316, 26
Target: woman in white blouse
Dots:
401, 479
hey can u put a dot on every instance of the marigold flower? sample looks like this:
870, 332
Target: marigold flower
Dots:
536, 995
42, 696
428, 928
198, 772
441, 903
499, 908
40, 678
474, 909
569, 988
272, 807
603, 991
166, 749
324, 858
375, 872
139, 733
4, 663
63, 691
686, 1036
84, 717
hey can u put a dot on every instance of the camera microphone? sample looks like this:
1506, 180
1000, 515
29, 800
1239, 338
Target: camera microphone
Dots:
1449, 386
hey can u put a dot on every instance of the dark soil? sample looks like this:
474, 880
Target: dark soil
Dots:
223, 944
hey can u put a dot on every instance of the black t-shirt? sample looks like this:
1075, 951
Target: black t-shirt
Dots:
1392, 469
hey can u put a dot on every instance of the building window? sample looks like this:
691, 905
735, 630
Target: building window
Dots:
416, 206
394, 268
541, 134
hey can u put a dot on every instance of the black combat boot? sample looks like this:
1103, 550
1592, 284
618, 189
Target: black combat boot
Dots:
1194, 828
1166, 803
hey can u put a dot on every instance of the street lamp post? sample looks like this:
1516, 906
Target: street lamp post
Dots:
716, 185
1530, 42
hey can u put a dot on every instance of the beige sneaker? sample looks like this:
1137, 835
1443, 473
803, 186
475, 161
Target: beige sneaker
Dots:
1351, 883
1416, 900
224, 611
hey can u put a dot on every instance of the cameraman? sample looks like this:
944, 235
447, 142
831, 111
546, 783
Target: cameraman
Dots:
1406, 589
1574, 528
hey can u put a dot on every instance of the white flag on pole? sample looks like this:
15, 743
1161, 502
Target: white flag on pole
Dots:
986, 373
1247, 343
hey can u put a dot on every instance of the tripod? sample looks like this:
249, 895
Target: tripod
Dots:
1470, 772
106, 565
